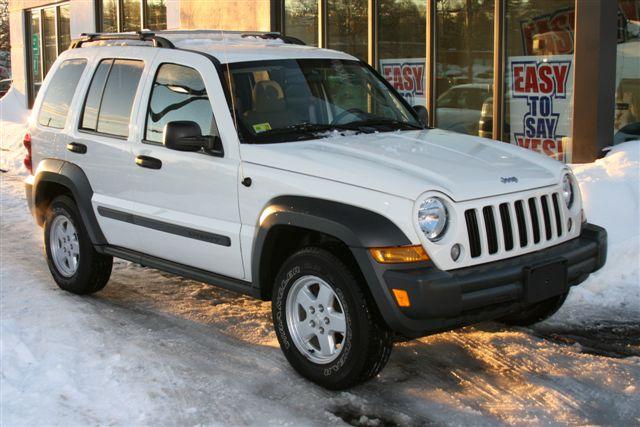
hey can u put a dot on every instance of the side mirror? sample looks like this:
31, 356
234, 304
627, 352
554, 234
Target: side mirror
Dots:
186, 135
423, 114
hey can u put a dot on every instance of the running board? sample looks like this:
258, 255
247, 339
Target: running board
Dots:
228, 283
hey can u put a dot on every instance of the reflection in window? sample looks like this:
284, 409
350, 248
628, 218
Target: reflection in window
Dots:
538, 94
64, 28
301, 20
35, 68
119, 93
464, 63
50, 51
402, 47
627, 114
178, 94
156, 15
60, 91
347, 26
92, 102
131, 19
109, 15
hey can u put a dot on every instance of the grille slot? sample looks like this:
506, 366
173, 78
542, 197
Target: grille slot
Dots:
522, 224
556, 210
535, 221
547, 217
473, 233
490, 226
505, 219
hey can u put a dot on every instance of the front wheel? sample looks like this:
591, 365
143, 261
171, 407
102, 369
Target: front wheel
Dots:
327, 327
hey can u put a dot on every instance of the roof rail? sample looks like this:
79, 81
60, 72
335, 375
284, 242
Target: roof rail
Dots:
273, 36
145, 36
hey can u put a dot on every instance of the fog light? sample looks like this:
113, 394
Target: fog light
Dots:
569, 224
456, 251
399, 254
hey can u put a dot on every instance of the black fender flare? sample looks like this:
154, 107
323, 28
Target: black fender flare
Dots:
356, 227
72, 177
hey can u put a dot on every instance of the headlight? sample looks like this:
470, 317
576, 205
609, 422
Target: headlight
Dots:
567, 190
433, 218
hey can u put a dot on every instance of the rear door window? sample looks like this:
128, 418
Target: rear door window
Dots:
178, 93
111, 95
57, 99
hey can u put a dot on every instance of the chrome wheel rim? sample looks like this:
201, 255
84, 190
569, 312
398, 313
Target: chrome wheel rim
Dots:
65, 249
316, 320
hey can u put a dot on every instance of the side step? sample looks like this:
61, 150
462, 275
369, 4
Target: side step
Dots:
229, 283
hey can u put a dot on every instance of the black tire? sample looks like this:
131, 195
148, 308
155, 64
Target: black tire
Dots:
536, 312
94, 269
368, 342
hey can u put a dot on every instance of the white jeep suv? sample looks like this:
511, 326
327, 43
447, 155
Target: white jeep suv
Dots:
296, 175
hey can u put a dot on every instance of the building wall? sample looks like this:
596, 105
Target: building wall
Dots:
249, 15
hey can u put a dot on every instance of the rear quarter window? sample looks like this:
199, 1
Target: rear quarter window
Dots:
59, 94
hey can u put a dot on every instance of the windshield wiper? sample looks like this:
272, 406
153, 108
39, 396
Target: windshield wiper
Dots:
383, 122
310, 129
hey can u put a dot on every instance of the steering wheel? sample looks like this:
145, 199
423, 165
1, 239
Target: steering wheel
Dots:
354, 111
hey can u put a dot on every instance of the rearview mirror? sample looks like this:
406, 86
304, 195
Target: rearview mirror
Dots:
185, 135
423, 114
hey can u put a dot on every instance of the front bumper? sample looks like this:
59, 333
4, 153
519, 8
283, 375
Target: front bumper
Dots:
443, 300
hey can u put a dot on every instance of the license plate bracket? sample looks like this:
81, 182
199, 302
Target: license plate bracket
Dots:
544, 281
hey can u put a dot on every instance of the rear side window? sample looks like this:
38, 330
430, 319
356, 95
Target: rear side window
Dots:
110, 97
57, 99
178, 94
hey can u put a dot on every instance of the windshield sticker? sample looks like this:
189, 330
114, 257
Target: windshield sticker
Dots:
261, 127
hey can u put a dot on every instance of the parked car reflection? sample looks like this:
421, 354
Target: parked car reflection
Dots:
459, 108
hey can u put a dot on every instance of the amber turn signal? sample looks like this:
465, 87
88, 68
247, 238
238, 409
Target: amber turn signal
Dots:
402, 297
399, 254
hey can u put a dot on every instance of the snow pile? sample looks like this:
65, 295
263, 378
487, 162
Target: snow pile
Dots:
611, 194
13, 119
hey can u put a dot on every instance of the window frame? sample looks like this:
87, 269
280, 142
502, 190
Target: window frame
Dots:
144, 139
120, 15
95, 131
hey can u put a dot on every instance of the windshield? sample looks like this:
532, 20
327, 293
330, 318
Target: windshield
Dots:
298, 99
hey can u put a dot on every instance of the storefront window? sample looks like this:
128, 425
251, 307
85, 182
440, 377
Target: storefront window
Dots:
50, 51
347, 26
301, 20
402, 47
627, 114
64, 28
131, 19
156, 14
45, 42
464, 63
538, 104
109, 16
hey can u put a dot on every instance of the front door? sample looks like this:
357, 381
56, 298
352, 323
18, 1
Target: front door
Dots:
186, 203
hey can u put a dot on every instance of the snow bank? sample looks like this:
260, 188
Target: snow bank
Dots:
611, 193
13, 119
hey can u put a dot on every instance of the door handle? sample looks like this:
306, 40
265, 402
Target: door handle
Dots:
77, 147
148, 162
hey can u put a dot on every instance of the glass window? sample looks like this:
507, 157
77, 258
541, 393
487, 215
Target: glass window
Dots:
347, 26
156, 15
178, 94
131, 10
50, 52
538, 104
464, 63
627, 114
292, 100
60, 91
402, 47
35, 70
94, 96
64, 28
117, 101
109, 16
301, 20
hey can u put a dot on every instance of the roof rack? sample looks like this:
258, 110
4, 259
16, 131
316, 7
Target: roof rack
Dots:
144, 36
273, 36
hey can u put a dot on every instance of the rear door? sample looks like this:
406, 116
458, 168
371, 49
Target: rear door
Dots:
186, 203
100, 141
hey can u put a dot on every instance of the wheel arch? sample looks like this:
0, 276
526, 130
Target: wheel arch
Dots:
290, 222
55, 177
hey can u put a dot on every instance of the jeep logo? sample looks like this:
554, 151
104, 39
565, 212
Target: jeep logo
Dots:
508, 179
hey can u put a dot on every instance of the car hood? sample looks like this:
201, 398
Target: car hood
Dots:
408, 163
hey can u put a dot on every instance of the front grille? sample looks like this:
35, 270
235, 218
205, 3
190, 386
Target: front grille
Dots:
509, 226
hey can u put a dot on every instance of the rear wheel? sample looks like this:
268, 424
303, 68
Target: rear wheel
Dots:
536, 312
74, 263
328, 328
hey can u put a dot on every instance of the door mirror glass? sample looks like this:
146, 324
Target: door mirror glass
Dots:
186, 135
423, 114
